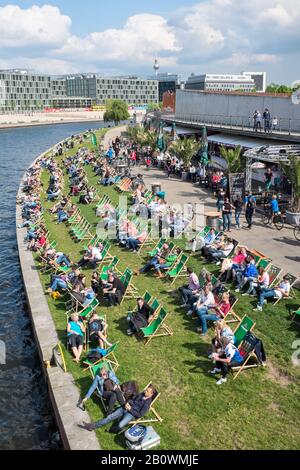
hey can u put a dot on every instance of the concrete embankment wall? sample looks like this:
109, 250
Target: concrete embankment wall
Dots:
63, 392
233, 107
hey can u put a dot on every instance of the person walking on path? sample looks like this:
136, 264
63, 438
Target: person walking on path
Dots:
250, 204
227, 215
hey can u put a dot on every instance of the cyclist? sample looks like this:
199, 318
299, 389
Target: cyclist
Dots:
274, 208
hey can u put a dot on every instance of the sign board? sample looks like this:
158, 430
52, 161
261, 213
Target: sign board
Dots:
169, 102
236, 185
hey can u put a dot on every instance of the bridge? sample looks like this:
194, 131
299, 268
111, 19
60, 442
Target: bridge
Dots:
287, 130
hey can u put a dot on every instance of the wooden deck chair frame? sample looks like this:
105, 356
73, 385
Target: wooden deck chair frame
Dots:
182, 272
296, 316
131, 291
277, 276
244, 366
145, 420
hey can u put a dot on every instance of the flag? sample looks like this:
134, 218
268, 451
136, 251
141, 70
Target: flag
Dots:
94, 139
160, 140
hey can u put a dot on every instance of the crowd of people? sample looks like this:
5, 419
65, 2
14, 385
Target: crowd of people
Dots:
205, 298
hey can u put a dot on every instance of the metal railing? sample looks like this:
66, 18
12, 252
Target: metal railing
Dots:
287, 126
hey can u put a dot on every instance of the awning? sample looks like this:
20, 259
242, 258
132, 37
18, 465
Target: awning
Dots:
182, 130
235, 140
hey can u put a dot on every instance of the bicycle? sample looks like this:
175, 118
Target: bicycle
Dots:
276, 219
297, 232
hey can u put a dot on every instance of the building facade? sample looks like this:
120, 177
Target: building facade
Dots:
220, 82
23, 90
167, 82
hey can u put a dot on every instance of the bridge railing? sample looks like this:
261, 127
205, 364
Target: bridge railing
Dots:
285, 125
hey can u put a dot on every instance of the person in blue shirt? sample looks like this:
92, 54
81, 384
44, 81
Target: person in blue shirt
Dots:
250, 273
274, 207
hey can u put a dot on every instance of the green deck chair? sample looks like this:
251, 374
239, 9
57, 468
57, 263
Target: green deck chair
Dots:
178, 270
296, 316
246, 324
110, 267
110, 353
157, 328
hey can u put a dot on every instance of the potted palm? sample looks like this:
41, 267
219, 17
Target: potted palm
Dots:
292, 171
185, 149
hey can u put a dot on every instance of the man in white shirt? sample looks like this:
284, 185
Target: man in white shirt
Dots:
205, 300
279, 292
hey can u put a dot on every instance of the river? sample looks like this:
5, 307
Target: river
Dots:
26, 420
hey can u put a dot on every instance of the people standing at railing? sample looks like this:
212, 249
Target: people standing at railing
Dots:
267, 120
257, 118
274, 123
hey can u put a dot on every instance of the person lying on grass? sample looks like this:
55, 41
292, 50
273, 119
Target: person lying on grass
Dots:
75, 334
140, 318
134, 409
108, 386
228, 357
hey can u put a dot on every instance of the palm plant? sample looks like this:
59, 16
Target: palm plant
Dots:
185, 149
233, 159
292, 171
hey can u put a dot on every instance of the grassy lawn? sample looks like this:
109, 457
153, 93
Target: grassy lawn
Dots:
260, 410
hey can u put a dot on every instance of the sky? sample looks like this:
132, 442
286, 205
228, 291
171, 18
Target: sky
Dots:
120, 37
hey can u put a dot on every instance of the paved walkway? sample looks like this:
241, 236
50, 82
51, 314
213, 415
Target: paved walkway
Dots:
280, 246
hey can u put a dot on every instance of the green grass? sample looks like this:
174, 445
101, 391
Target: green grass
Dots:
260, 410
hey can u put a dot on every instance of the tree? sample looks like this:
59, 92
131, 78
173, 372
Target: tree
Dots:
185, 149
292, 171
116, 110
154, 107
274, 88
232, 158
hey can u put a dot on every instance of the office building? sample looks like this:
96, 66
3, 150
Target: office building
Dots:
24, 90
220, 82
167, 82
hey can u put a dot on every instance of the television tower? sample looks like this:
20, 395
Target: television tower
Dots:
156, 66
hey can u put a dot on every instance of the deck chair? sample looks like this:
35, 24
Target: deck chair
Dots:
292, 295
157, 328
110, 353
131, 291
247, 351
158, 247
157, 418
83, 312
106, 256
296, 316
274, 273
111, 267
179, 270
246, 325
95, 371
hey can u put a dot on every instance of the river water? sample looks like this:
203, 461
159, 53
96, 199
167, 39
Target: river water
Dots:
26, 421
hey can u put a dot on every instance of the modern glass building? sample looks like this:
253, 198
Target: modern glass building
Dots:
220, 82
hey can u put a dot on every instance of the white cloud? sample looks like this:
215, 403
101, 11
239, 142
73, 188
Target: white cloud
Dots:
33, 26
142, 37
211, 34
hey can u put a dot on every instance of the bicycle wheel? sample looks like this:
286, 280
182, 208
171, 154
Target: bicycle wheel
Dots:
297, 233
279, 222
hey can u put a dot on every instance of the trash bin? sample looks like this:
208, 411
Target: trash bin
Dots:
156, 188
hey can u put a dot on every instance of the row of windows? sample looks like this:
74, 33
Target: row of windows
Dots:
22, 77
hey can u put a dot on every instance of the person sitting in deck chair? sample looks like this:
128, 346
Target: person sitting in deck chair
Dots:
114, 290
140, 318
75, 333
282, 290
222, 331
93, 256
224, 250
191, 289
97, 330
213, 313
108, 387
134, 409
228, 357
